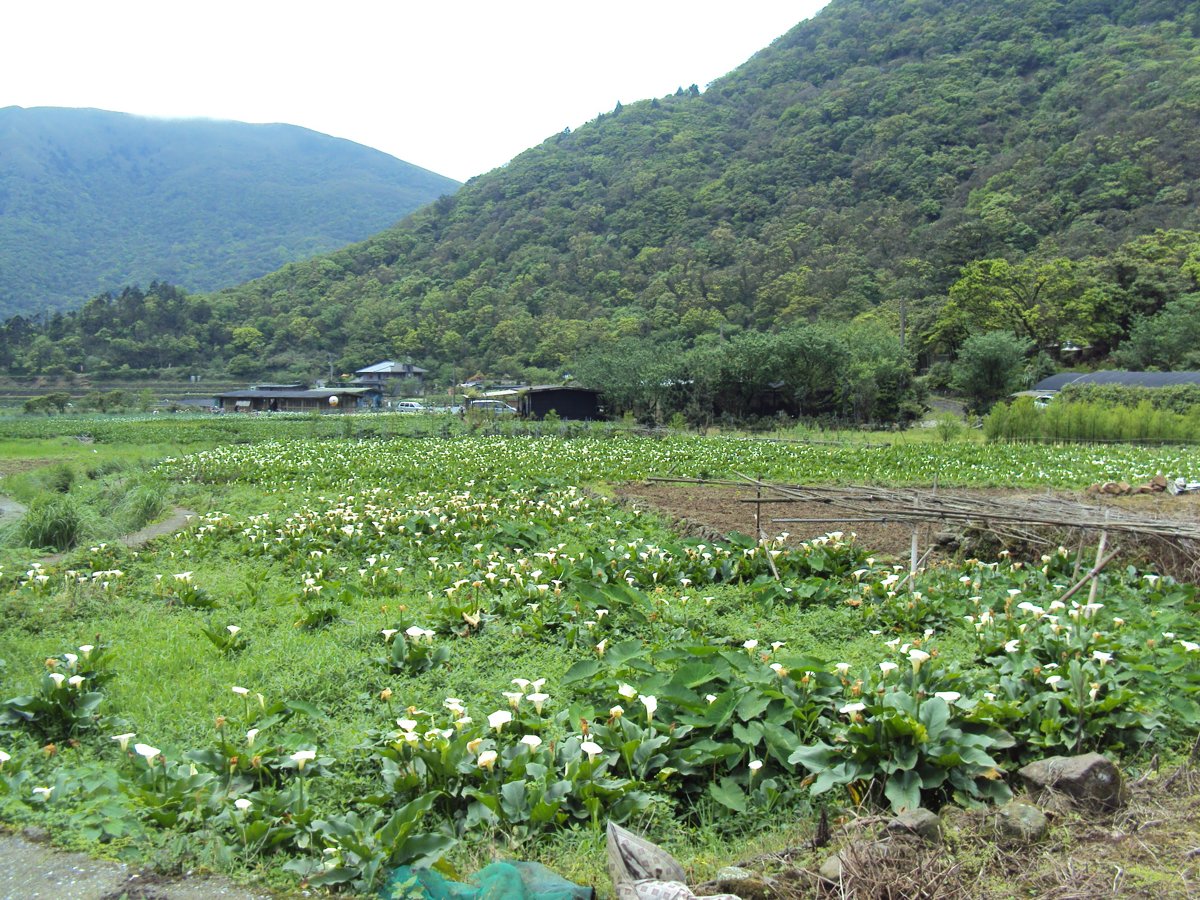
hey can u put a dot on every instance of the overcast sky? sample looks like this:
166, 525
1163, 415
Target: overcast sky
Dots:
456, 87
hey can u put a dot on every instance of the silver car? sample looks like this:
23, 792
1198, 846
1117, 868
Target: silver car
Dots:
492, 408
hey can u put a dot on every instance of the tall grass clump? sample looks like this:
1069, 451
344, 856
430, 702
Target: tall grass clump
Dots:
1067, 421
53, 521
142, 505
59, 478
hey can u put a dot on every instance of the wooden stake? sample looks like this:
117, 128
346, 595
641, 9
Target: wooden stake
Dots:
758, 510
912, 567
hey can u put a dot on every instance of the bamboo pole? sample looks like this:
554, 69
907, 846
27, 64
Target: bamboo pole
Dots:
1099, 555
1096, 569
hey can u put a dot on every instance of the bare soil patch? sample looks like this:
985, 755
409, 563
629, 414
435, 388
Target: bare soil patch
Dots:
711, 510
1149, 849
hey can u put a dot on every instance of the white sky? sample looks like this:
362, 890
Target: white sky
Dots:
457, 86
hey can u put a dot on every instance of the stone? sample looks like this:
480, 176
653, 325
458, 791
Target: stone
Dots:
1089, 781
947, 539
1021, 823
831, 869
919, 823
743, 883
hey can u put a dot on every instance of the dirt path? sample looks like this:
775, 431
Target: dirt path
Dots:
10, 510
31, 870
177, 521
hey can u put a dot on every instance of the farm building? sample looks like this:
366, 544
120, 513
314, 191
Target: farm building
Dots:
281, 398
1056, 383
567, 402
389, 372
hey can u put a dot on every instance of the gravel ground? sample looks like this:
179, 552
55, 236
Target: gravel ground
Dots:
32, 870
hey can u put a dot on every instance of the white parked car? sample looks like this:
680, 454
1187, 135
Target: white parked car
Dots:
409, 406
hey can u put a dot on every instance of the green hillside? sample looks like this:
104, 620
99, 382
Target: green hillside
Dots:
92, 200
1030, 164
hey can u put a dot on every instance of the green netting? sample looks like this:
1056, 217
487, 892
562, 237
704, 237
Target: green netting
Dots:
498, 881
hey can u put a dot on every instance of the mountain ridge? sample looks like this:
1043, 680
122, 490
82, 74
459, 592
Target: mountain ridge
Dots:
91, 200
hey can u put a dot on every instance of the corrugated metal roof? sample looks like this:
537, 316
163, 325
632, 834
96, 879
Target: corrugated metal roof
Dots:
1117, 376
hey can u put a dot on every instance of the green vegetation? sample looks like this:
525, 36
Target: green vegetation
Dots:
1168, 340
87, 500
1180, 398
95, 200
305, 683
52, 522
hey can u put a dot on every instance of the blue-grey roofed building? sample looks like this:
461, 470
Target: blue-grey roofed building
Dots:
389, 372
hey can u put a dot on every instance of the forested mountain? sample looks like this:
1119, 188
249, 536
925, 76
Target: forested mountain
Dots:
93, 200
1027, 164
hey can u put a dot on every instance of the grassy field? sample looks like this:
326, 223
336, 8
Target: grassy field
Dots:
390, 640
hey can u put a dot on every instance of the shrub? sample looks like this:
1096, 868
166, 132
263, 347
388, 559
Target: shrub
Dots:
989, 367
949, 427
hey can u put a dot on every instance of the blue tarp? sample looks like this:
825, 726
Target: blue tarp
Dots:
498, 881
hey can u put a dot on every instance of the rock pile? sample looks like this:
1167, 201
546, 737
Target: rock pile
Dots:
1155, 485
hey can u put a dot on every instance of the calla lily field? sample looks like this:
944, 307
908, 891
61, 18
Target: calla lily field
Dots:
422, 648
